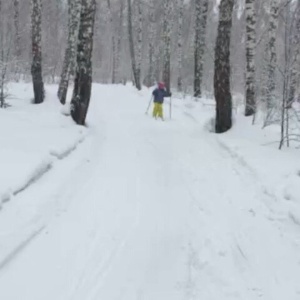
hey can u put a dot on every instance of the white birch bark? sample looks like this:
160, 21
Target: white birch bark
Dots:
151, 46
74, 8
138, 21
295, 65
269, 85
167, 43
250, 57
84, 71
200, 37
180, 45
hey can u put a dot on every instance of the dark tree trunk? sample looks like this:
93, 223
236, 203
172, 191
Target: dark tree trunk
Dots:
83, 77
222, 68
114, 62
250, 57
17, 29
200, 35
135, 71
36, 67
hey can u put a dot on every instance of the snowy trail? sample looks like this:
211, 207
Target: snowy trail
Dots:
154, 211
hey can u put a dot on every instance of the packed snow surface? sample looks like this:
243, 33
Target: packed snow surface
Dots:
134, 208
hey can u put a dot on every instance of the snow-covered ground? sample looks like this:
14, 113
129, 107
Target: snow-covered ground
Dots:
133, 208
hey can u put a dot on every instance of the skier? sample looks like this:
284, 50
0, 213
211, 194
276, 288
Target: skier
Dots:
159, 94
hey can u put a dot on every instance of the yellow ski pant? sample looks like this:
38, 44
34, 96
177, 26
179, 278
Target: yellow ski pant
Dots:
158, 110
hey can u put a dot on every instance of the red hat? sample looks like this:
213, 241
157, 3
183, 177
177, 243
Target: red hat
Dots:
161, 85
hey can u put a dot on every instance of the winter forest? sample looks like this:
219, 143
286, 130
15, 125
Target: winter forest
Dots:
139, 149
198, 47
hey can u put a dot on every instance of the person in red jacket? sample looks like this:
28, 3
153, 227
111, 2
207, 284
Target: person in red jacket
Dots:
158, 95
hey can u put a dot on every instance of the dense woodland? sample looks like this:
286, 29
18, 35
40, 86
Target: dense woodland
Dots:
213, 48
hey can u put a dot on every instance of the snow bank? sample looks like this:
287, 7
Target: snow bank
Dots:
32, 138
256, 150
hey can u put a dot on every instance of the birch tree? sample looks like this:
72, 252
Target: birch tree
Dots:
201, 10
167, 43
36, 67
17, 29
139, 25
135, 71
269, 87
74, 7
83, 77
150, 78
250, 57
114, 49
295, 65
119, 43
222, 88
180, 4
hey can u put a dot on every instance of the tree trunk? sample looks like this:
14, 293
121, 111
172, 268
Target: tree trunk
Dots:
295, 65
222, 68
36, 67
113, 44
83, 78
114, 64
136, 77
167, 43
250, 57
70, 54
119, 44
150, 78
180, 45
200, 36
272, 54
139, 26
17, 29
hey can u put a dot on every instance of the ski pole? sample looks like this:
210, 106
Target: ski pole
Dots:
149, 105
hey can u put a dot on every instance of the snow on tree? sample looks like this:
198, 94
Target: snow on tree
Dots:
36, 67
201, 10
83, 77
222, 88
250, 57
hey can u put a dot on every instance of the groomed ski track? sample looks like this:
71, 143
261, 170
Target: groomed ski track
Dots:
150, 210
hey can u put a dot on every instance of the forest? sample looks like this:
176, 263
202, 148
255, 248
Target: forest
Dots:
139, 149
199, 47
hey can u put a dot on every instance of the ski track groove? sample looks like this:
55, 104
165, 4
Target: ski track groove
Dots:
13, 254
44, 169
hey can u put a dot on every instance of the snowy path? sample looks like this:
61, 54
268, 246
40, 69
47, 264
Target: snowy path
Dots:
148, 210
